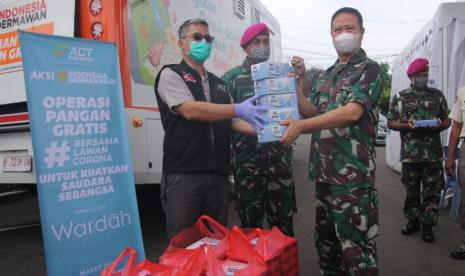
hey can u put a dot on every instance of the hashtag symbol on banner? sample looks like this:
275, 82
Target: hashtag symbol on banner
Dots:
57, 154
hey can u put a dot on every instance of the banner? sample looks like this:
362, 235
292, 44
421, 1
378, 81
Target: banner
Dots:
39, 16
84, 174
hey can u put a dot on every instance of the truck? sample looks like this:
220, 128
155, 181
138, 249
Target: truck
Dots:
442, 42
145, 32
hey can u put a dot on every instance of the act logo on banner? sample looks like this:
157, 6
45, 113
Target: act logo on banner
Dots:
83, 166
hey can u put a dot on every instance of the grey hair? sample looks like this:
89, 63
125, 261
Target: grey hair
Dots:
184, 26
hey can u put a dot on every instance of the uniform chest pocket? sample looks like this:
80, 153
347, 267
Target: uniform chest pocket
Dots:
243, 89
431, 104
409, 104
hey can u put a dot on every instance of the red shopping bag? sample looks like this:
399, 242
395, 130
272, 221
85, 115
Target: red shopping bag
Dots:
236, 247
194, 262
148, 268
145, 268
129, 269
279, 251
203, 262
204, 227
178, 257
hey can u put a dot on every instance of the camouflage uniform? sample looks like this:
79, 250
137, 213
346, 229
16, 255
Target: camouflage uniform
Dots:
421, 152
342, 164
262, 172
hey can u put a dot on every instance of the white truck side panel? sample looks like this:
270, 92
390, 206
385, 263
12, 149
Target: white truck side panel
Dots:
52, 16
159, 35
59, 14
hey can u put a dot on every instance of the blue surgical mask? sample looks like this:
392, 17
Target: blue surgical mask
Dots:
200, 50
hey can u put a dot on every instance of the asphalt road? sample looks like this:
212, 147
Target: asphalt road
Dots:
22, 253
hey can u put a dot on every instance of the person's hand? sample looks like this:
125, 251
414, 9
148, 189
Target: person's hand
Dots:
438, 125
250, 112
299, 65
450, 167
410, 124
293, 131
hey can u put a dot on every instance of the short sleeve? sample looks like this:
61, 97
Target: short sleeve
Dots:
367, 90
172, 89
455, 113
459, 107
393, 114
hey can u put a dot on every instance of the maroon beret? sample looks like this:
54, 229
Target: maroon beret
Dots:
416, 66
252, 32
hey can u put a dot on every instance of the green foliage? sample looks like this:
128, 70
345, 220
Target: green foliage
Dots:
385, 95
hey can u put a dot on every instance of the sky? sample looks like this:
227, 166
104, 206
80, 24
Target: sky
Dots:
389, 26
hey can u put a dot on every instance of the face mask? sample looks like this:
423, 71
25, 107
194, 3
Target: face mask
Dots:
420, 82
200, 50
260, 55
346, 43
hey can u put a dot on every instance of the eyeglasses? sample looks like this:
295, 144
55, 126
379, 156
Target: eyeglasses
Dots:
199, 37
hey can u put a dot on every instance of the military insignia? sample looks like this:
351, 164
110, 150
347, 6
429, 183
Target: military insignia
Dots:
188, 77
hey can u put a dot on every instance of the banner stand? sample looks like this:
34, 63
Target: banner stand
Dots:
84, 174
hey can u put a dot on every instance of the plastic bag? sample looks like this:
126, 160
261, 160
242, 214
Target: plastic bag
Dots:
145, 268
236, 247
129, 269
279, 251
148, 268
193, 262
204, 227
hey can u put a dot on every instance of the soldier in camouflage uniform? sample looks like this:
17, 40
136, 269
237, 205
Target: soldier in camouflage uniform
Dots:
421, 149
262, 172
342, 116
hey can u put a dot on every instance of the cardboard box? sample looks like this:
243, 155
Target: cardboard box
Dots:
231, 267
266, 70
280, 114
212, 242
270, 133
287, 100
426, 123
275, 86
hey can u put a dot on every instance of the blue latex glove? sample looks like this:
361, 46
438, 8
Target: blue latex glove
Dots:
251, 113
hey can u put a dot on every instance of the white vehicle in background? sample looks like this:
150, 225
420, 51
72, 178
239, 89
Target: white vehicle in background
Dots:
442, 42
146, 34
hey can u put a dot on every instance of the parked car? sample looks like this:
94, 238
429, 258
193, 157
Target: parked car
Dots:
381, 130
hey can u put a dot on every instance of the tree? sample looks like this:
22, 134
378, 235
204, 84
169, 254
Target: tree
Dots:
386, 93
